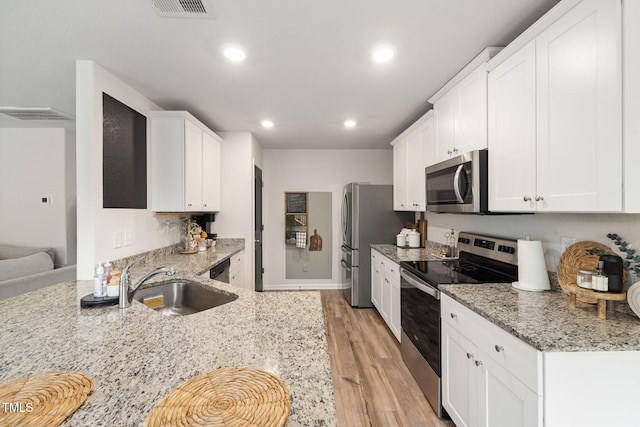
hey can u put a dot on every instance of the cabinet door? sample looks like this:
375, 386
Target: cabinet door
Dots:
385, 298
471, 121
399, 174
444, 115
458, 377
210, 173
512, 133
429, 154
376, 278
503, 401
236, 270
579, 110
415, 187
631, 109
394, 300
193, 167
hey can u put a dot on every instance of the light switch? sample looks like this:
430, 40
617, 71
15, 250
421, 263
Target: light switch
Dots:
128, 237
117, 239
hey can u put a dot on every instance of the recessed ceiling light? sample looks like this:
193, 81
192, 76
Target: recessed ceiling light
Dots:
267, 124
234, 53
349, 123
382, 53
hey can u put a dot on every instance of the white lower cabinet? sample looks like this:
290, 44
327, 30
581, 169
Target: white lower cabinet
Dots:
236, 270
385, 290
489, 377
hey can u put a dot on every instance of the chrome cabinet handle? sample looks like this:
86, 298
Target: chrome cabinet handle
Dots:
499, 348
469, 355
478, 362
539, 198
526, 198
453, 315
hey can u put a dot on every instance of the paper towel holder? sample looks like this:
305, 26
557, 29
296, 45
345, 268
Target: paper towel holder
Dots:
532, 265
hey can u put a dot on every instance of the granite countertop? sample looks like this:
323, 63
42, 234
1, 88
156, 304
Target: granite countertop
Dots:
135, 356
399, 254
545, 321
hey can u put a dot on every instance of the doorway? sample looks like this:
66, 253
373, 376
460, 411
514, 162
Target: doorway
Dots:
257, 229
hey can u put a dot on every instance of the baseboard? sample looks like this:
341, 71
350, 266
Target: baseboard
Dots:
302, 287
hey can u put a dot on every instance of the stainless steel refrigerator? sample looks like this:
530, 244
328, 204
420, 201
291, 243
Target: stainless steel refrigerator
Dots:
367, 218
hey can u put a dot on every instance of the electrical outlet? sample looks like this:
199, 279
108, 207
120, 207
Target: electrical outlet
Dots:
117, 239
128, 237
566, 242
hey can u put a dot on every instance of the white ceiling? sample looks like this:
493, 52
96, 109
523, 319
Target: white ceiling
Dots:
308, 67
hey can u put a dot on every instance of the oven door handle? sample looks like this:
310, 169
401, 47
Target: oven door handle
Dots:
417, 283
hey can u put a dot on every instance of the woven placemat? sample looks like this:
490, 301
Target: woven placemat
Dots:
226, 397
576, 257
42, 400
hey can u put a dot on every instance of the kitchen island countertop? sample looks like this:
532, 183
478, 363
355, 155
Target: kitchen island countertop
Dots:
544, 320
135, 356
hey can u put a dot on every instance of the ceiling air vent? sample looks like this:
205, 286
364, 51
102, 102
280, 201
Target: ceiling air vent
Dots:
35, 113
183, 8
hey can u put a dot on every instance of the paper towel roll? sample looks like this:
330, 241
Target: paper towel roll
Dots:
532, 270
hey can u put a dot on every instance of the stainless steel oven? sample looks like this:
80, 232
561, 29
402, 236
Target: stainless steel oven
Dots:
482, 259
459, 184
420, 336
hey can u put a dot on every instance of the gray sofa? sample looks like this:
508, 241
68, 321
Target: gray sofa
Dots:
24, 269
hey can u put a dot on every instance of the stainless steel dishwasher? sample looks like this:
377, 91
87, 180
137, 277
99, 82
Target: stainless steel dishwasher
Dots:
221, 271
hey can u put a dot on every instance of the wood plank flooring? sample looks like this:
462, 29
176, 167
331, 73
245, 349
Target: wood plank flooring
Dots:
371, 383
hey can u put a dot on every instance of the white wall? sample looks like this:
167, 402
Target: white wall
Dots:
240, 152
36, 162
96, 225
545, 226
312, 170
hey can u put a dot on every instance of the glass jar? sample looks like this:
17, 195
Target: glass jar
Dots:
584, 278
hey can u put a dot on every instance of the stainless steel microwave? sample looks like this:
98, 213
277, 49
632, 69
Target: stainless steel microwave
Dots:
459, 184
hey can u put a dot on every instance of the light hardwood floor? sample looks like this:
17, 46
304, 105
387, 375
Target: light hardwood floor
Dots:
371, 382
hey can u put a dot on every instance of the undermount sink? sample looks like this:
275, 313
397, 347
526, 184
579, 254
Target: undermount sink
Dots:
181, 297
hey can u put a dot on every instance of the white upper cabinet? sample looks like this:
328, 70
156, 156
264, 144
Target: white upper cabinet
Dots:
412, 151
512, 132
185, 164
460, 110
566, 155
631, 103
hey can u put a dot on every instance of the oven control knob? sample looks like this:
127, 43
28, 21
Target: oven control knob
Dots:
469, 355
499, 348
453, 315
478, 362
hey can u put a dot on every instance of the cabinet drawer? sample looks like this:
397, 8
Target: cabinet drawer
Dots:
236, 261
389, 266
516, 356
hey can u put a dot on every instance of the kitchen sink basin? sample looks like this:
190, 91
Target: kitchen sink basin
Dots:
181, 297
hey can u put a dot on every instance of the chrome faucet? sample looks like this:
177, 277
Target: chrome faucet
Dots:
126, 290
